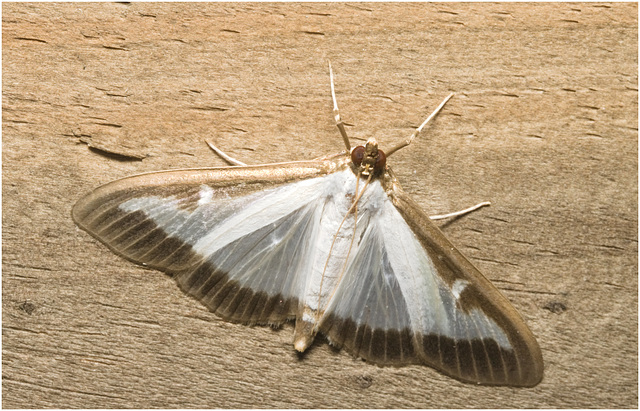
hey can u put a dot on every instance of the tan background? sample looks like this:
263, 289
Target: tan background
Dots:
544, 125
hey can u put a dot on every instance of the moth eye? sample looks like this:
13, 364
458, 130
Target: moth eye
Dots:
357, 155
381, 161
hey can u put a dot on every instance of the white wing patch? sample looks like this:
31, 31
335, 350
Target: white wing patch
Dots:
458, 287
206, 195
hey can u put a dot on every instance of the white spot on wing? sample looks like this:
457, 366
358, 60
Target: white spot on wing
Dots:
458, 287
206, 195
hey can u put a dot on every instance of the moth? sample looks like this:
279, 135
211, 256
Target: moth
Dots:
335, 245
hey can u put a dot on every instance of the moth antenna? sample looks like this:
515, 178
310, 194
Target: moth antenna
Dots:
226, 157
336, 112
419, 129
461, 212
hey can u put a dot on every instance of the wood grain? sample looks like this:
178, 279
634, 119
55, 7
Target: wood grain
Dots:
544, 125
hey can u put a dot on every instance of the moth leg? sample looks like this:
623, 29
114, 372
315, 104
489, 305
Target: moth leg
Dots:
336, 112
461, 212
226, 157
419, 129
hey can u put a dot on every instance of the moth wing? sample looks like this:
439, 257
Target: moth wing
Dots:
231, 237
409, 296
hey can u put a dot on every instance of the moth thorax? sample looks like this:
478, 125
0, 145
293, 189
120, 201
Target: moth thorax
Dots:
369, 158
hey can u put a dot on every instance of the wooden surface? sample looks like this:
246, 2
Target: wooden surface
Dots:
544, 124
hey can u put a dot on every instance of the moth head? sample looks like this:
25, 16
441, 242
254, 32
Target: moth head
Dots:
369, 158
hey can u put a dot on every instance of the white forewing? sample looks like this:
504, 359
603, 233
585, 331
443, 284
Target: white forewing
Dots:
391, 282
276, 241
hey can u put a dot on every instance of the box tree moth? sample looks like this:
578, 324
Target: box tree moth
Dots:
333, 244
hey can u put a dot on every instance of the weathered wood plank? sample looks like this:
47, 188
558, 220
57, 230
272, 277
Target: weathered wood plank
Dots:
544, 125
